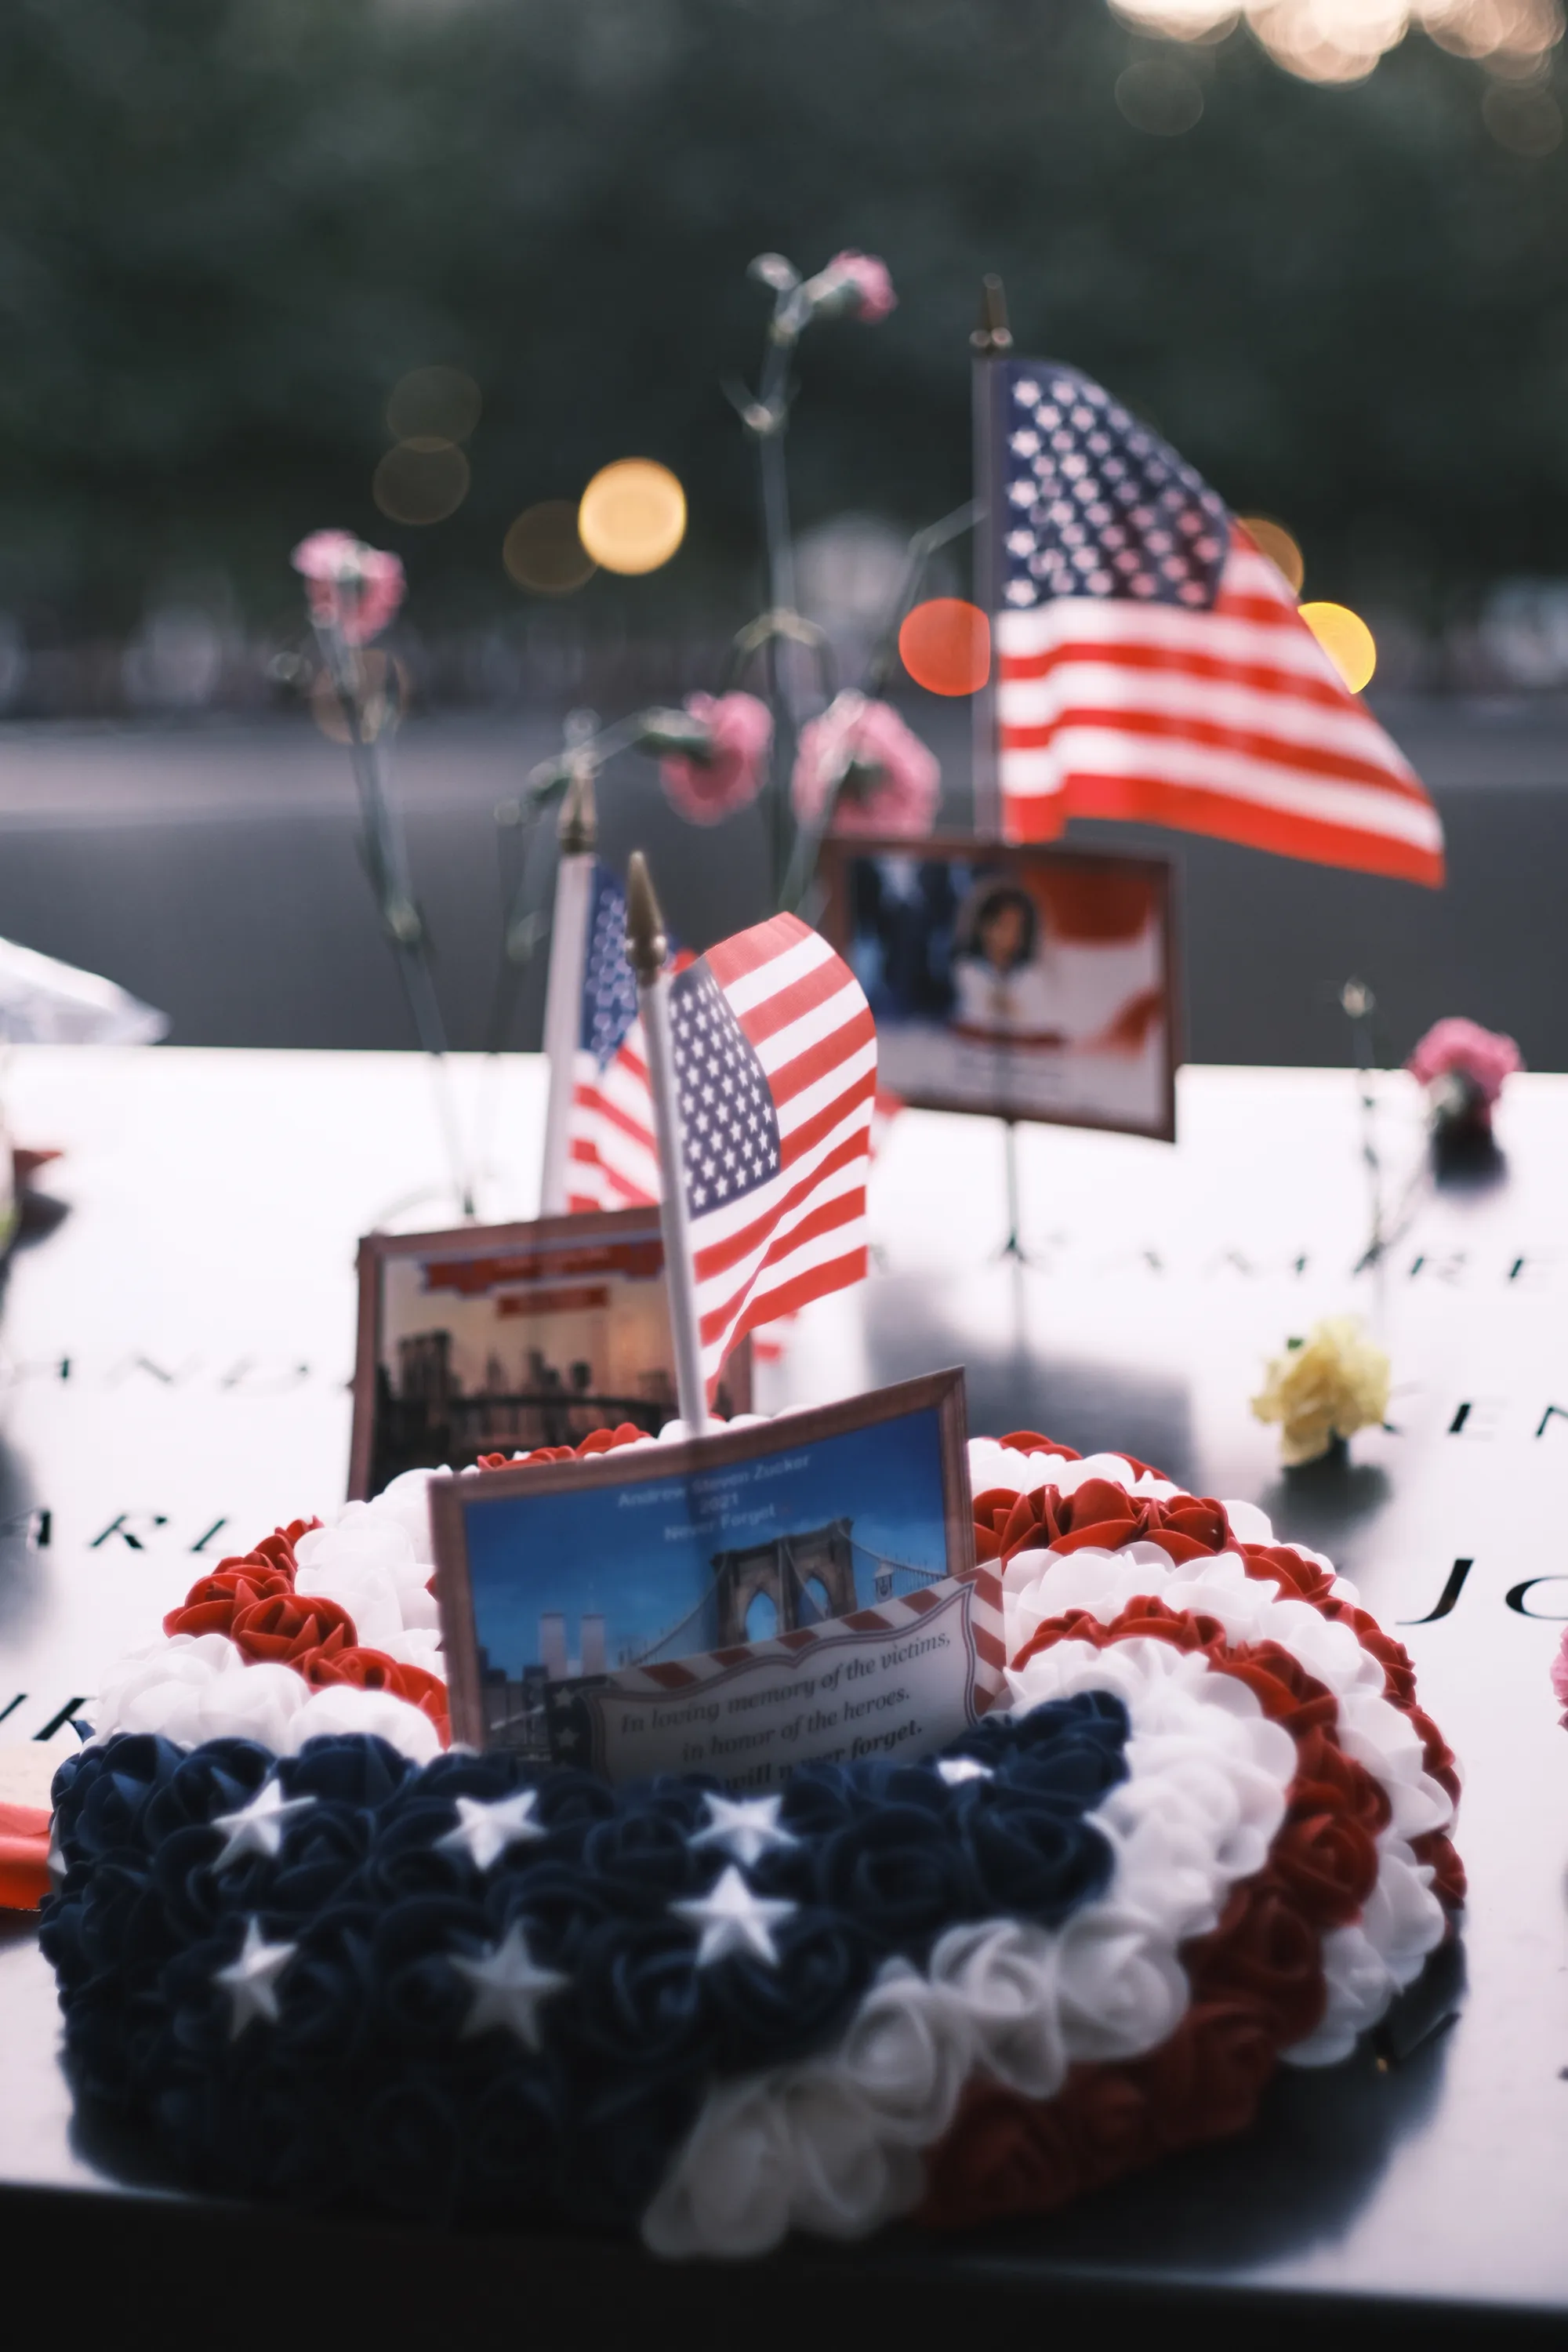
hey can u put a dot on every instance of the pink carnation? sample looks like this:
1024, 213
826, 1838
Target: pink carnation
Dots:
1560, 1678
710, 786
893, 784
355, 588
870, 279
1464, 1049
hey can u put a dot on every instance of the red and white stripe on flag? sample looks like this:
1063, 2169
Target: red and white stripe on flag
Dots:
802, 1233
1231, 721
612, 1154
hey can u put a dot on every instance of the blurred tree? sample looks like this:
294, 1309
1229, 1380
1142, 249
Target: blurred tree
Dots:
229, 226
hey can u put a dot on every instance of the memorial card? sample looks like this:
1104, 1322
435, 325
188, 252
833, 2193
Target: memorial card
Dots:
801, 1589
496, 1338
1024, 982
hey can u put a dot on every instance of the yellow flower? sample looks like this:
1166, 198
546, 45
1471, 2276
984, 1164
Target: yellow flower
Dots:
1328, 1385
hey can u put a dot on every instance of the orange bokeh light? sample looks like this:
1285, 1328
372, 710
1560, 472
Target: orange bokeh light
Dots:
945, 646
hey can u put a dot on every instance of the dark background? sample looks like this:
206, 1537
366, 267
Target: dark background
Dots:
227, 227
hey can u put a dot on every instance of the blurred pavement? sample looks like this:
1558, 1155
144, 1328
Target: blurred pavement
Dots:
211, 868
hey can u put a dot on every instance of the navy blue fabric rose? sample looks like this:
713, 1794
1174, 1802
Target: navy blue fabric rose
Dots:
339, 1976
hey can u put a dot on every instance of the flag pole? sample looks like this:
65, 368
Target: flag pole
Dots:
990, 341
578, 837
646, 948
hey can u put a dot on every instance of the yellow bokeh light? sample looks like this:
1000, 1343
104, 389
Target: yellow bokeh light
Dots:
1278, 546
633, 516
421, 481
437, 404
542, 551
1347, 639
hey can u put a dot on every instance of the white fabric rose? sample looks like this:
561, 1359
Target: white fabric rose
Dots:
374, 1715
728, 2189
260, 1704
159, 1686
1005, 1972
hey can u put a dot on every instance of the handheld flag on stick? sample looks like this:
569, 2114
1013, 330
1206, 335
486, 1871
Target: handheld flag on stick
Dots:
575, 875
647, 949
763, 1090
1152, 664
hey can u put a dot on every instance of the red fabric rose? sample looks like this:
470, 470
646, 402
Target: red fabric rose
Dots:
598, 1441
1436, 1754
284, 1627
1264, 1955
1448, 1882
1287, 1693
1029, 1441
1001, 2155
1106, 2110
1326, 1863
1325, 1774
213, 1601
1205, 2082
372, 1670
1281, 1565
1100, 1516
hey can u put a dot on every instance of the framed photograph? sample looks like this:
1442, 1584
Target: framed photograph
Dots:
1019, 982
495, 1338
740, 1603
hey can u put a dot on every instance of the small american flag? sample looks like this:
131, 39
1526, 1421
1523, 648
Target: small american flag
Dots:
1151, 665
775, 1072
612, 1156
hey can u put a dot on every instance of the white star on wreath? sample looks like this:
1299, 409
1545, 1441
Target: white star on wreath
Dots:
258, 1827
484, 1830
251, 1981
745, 1828
731, 1918
510, 1988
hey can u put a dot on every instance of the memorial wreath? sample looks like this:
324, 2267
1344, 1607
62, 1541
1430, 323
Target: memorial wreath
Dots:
322, 1956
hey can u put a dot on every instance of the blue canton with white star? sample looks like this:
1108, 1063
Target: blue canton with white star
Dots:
1093, 503
729, 1129
609, 983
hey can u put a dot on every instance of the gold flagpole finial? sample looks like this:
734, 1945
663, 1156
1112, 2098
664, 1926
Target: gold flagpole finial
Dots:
578, 831
993, 336
647, 945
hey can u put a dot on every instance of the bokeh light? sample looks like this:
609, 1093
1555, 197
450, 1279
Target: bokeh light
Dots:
1347, 639
543, 549
1341, 40
632, 517
945, 646
1277, 544
433, 404
1526, 121
1159, 96
421, 481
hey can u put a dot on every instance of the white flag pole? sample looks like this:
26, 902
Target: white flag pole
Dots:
646, 948
578, 837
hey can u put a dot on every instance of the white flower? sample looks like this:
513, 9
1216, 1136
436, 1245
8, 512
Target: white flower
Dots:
728, 2190
377, 1714
1005, 1972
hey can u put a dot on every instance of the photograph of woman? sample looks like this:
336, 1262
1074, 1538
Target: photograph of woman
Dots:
1030, 983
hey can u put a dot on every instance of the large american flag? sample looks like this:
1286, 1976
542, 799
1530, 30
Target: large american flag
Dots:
1151, 662
775, 1068
612, 1157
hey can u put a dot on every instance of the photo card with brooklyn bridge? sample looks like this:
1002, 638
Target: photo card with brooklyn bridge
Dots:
740, 1603
496, 1338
